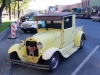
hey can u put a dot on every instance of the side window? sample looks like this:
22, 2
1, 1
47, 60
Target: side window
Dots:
68, 22
53, 24
41, 24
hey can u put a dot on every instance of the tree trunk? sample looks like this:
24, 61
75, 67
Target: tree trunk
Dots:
15, 11
9, 12
14, 14
0, 17
1, 10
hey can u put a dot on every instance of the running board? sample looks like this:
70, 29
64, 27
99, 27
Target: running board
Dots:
36, 66
70, 52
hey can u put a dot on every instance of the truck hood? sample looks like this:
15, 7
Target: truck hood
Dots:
47, 36
29, 22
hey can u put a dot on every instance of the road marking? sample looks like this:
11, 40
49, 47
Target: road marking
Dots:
85, 60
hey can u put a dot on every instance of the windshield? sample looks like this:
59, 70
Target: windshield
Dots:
31, 18
50, 24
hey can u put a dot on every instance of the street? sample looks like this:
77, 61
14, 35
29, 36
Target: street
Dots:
67, 66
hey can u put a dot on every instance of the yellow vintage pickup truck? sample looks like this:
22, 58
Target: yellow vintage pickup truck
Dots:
57, 37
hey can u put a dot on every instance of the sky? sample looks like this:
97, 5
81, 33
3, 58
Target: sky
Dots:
43, 4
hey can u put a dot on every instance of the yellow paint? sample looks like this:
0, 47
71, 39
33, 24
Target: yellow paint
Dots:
78, 38
65, 41
21, 51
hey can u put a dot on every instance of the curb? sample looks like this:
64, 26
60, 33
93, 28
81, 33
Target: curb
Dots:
4, 33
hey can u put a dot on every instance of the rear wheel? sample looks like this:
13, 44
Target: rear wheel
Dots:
82, 41
14, 56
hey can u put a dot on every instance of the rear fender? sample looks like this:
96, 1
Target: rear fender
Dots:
21, 51
77, 38
48, 53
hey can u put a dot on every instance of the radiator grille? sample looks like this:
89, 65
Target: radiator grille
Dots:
31, 47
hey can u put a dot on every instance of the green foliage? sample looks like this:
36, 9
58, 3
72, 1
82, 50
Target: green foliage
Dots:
42, 11
4, 26
24, 4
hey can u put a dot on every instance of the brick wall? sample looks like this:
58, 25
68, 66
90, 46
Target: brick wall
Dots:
60, 7
85, 3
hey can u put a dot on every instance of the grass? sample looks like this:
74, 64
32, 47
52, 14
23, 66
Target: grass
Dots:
5, 25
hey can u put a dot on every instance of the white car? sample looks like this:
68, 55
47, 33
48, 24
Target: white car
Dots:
29, 25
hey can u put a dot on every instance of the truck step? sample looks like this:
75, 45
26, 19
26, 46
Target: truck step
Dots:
71, 51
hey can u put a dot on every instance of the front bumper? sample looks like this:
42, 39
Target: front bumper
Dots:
36, 66
29, 29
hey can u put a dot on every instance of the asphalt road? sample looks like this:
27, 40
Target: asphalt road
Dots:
83, 62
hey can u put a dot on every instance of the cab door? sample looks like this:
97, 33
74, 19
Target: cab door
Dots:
68, 31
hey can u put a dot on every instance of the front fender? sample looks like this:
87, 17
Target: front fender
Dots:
16, 48
78, 37
48, 53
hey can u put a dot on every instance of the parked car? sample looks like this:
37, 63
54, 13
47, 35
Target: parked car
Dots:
30, 25
60, 37
95, 17
83, 16
79, 15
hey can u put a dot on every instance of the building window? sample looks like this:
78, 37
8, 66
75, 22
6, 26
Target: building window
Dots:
86, 3
82, 4
78, 5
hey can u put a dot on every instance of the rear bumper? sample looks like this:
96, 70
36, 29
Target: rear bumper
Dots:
36, 66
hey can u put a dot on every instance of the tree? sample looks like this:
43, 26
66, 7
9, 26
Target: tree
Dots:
7, 3
3, 4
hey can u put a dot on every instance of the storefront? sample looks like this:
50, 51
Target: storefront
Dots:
77, 10
85, 10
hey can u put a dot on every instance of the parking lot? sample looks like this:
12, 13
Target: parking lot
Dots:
83, 62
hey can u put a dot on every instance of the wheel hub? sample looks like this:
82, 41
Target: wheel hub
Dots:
54, 62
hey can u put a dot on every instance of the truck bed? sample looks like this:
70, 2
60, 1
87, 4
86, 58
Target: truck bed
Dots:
78, 28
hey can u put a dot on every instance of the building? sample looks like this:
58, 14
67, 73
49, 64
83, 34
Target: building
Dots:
74, 7
60, 8
94, 6
77, 5
85, 6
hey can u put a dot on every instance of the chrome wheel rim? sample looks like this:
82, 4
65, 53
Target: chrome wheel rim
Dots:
54, 61
82, 42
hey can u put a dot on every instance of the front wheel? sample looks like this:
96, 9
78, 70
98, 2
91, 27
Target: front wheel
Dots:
54, 61
14, 56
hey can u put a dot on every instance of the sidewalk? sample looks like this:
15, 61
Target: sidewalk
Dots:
5, 44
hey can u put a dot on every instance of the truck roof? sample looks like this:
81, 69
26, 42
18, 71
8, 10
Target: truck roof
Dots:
52, 16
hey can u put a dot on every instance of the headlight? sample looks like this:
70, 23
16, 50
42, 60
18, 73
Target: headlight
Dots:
39, 45
21, 43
